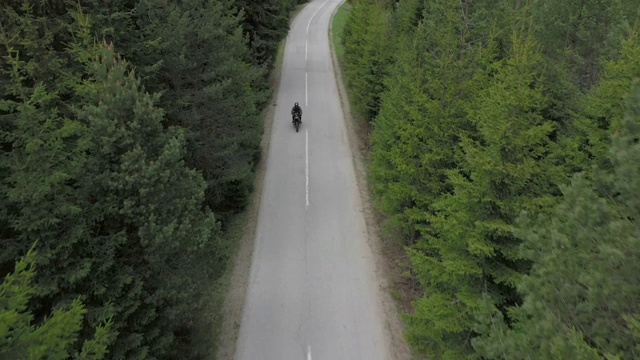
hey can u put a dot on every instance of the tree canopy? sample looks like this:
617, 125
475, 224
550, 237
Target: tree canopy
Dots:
482, 111
129, 133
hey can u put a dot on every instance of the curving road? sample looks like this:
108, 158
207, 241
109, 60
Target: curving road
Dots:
312, 289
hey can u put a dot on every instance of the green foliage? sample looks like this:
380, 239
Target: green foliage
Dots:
483, 114
211, 94
416, 135
108, 178
215, 95
367, 55
406, 17
575, 38
265, 23
337, 29
29, 58
603, 106
580, 299
577, 35
55, 336
102, 184
151, 202
507, 165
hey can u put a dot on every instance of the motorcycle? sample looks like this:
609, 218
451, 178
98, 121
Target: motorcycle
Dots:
297, 120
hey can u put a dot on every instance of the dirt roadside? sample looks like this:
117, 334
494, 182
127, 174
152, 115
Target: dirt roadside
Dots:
386, 272
239, 276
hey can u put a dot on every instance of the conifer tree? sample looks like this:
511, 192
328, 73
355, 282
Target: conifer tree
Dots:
214, 95
580, 299
367, 54
265, 23
416, 135
155, 206
602, 108
55, 337
208, 88
575, 38
406, 17
480, 119
95, 171
576, 35
105, 190
507, 164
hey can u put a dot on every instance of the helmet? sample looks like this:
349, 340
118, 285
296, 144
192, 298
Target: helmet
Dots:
296, 104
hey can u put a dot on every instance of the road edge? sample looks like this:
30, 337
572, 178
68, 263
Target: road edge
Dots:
238, 280
394, 327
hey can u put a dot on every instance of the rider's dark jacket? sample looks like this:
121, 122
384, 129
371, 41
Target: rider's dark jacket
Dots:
296, 110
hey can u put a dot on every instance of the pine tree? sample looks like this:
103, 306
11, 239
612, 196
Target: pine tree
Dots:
157, 203
602, 108
406, 17
507, 164
265, 23
95, 171
213, 95
416, 135
416, 141
477, 123
368, 51
107, 193
575, 38
54, 337
580, 299
576, 35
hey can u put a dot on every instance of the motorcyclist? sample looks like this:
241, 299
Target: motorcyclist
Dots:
296, 110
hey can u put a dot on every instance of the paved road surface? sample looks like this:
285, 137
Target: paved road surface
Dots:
312, 291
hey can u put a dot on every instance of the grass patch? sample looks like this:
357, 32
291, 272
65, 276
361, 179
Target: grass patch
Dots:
361, 126
337, 28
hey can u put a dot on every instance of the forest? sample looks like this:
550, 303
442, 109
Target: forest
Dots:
505, 158
129, 135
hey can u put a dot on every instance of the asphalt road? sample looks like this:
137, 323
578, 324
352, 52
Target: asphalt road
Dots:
312, 289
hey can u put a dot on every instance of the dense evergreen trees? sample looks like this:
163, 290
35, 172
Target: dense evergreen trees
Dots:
367, 55
117, 213
580, 298
486, 111
55, 337
222, 131
265, 23
118, 186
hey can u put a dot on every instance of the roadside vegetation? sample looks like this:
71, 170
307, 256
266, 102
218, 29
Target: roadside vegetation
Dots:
129, 136
337, 28
504, 156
